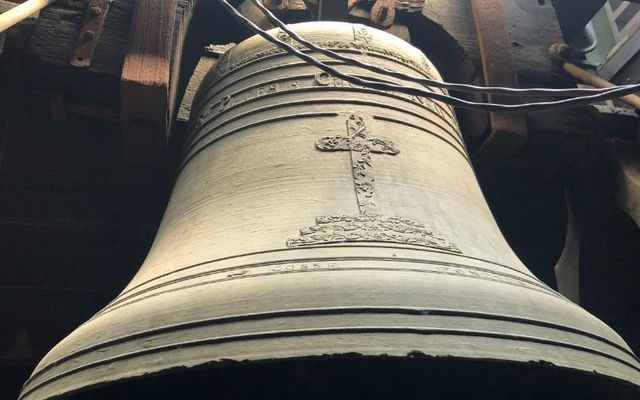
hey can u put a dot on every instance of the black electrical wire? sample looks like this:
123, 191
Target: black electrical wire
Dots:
451, 100
460, 87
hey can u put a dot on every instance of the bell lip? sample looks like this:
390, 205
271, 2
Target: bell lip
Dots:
630, 388
133, 369
124, 364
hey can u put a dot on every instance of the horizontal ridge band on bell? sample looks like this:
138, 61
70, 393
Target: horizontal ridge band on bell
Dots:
208, 118
176, 330
344, 311
286, 73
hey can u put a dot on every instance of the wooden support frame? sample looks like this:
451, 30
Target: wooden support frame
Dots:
145, 80
90, 33
508, 131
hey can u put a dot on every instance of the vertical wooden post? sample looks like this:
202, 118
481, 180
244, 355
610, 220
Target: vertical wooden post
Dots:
145, 80
508, 131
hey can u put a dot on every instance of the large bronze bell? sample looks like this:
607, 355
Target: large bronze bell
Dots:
325, 239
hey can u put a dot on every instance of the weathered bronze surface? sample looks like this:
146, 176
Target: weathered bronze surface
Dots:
313, 218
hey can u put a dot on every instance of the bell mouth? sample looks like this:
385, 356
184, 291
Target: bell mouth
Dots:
362, 377
210, 322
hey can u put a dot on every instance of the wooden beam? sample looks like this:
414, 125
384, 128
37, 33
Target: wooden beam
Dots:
508, 131
90, 33
145, 80
184, 14
532, 29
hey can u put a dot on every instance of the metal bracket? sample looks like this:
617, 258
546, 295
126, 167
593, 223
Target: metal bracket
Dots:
90, 32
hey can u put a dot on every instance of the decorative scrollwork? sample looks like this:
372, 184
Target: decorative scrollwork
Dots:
370, 228
360, 144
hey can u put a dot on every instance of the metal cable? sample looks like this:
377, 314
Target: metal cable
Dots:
451, 100
460, 87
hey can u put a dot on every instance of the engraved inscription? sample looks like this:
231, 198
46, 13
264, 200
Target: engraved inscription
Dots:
491, 276
321, 79
368, 225
304, 267
361, 35
361, 42
426, 65
283, 36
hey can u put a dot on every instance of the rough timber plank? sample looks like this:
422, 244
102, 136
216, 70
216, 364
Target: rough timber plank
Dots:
183, 18
145, 80
52, 44
532, 29
508, 131
58, 29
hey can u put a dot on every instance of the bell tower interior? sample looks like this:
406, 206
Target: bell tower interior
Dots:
322, 198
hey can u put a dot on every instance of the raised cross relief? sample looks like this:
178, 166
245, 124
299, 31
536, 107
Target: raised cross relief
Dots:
368, 225
360, 146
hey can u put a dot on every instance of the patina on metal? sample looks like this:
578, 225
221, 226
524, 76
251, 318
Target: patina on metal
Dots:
325, 239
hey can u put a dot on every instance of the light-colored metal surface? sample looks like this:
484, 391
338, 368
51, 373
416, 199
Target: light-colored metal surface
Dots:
314, 218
